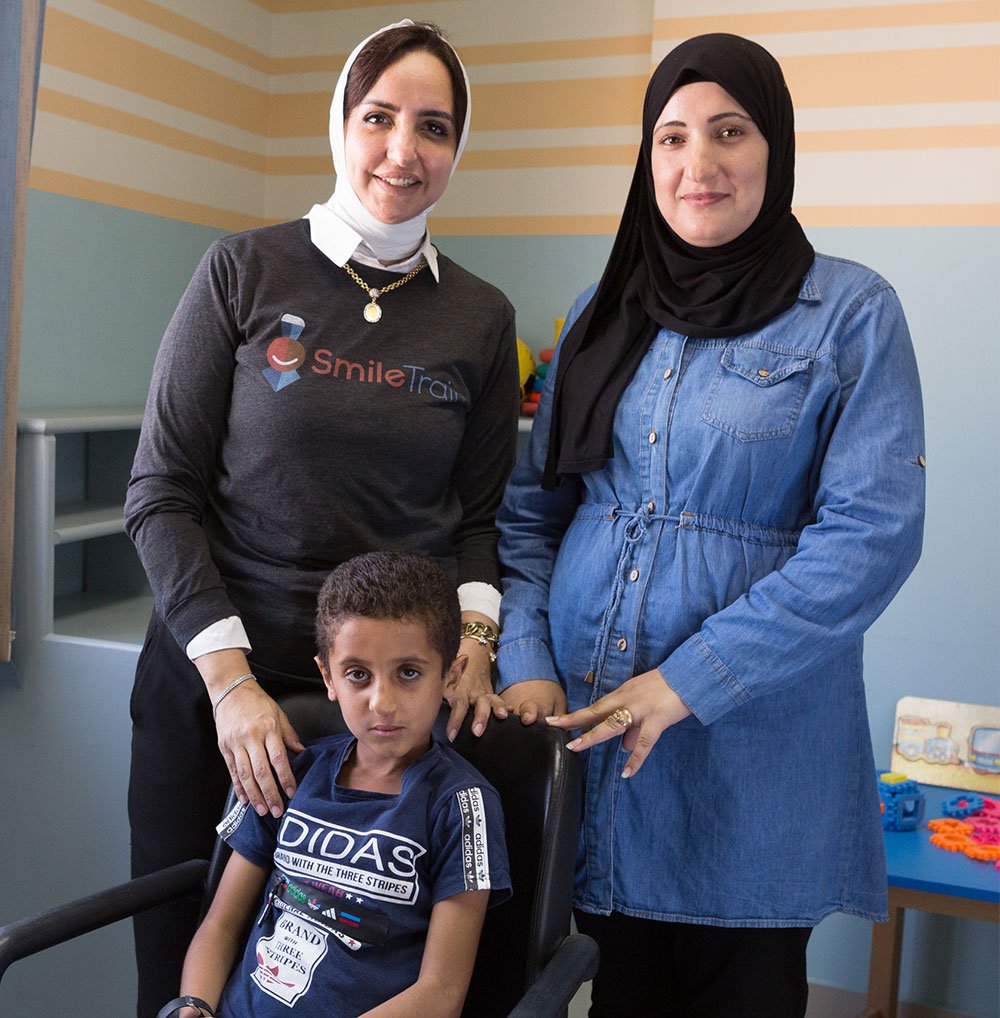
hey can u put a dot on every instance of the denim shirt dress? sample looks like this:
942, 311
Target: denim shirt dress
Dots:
763, 504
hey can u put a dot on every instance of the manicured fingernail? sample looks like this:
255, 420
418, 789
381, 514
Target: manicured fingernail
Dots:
552, 717
627, 773
502, 712
451, 735
276, 812
261, 809
573, 744
478, 728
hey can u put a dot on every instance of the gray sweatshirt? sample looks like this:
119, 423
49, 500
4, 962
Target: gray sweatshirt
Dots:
284, 434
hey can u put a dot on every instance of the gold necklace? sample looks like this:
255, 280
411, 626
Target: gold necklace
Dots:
372, 311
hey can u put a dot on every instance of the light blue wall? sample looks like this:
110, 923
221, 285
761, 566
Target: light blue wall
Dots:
101, 284
65, 733
541, 275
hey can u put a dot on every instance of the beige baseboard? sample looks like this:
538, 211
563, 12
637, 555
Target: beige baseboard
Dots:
824, 1002
829, 1002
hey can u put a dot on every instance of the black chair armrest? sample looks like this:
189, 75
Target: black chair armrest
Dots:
28, 936
574, 962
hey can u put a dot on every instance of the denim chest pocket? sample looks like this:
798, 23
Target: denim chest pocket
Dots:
757, 394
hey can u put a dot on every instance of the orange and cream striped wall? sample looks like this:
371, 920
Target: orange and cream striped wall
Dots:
216, 114
176, 110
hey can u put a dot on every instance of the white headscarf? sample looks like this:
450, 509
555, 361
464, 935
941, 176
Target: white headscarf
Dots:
388, 241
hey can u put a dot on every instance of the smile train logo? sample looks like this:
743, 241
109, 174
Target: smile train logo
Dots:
285, 354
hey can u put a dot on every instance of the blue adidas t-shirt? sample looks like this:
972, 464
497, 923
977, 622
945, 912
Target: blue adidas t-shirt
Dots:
356, 875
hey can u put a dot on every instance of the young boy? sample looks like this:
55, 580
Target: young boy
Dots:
369, 892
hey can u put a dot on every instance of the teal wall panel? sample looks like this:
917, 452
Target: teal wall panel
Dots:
100, 286
540, 275
65, 729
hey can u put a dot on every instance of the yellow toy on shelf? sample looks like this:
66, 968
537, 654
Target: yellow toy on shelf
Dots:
526, 369
532, 374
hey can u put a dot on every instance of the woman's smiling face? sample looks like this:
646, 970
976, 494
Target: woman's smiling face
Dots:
400, 140
709, 165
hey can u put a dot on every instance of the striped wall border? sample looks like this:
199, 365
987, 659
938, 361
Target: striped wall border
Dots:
155, 83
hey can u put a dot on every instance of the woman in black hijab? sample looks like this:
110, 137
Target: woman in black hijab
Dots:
723, 490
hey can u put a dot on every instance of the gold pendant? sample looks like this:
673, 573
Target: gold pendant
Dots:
372, 312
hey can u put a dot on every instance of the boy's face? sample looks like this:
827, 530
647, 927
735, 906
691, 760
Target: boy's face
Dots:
389, 682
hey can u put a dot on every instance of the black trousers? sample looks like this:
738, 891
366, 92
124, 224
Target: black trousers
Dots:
177, 788
651, 969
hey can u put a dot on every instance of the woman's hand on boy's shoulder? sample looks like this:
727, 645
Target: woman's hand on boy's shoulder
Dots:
252, 730
253, 735
474, 692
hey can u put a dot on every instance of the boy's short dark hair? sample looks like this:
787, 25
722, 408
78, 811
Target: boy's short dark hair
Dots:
390, 585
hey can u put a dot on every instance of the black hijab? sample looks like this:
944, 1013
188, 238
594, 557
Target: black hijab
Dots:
654, 278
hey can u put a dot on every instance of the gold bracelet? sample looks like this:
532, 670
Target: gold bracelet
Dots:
482, 634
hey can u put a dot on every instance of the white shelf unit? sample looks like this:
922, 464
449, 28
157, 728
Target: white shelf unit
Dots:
77, 576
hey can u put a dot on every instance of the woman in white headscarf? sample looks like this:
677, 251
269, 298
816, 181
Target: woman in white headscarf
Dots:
326, 387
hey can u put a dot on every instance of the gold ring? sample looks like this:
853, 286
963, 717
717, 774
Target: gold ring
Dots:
622, 717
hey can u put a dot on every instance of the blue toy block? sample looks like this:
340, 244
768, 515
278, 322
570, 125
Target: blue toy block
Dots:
903, 803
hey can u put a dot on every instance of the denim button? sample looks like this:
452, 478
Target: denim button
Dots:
622, 643
667, 374
634, 575
651, 506
652, 437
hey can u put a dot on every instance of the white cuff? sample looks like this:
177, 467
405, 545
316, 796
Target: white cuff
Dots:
226, 634
480, 597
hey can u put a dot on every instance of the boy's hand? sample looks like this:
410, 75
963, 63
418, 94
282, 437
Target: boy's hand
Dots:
475, 690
